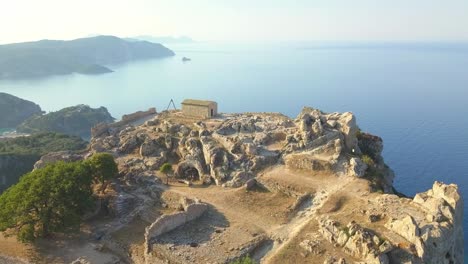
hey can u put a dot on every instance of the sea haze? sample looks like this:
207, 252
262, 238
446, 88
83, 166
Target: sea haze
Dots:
413, 95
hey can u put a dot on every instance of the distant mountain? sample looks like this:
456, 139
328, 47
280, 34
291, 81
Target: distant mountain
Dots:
76, 120
163, 39
14, 110
86, 56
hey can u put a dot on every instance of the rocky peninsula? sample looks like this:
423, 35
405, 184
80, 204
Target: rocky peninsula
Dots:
313, 189
85, 56
74, 120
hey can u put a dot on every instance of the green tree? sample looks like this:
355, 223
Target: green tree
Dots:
103, 168
47, 200
166, 168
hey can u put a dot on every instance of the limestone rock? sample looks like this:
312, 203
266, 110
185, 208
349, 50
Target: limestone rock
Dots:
239, 179
355, 241
406, 227
66, 156
250, 184
357, 168
347, 125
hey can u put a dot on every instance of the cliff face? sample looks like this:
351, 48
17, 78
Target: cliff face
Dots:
314, 189
14, 110
13, 166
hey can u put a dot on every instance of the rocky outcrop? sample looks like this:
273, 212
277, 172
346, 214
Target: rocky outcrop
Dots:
438, 238
14, 110
356, 241
76, 120
66, 156
314, 141
254, 150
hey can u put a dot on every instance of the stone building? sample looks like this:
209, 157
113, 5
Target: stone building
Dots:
199, 108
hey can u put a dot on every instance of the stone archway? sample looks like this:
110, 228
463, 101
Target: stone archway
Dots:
191, 173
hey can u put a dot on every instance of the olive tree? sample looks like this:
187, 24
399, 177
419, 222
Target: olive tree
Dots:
166, 168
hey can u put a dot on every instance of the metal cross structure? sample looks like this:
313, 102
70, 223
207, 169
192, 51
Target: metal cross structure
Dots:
173, 104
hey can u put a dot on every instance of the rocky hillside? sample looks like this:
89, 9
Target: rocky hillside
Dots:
314, 189
87, 56
14, 110
76, 120
343, 207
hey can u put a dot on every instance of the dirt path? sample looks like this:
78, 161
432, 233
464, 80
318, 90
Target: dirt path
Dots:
269, 211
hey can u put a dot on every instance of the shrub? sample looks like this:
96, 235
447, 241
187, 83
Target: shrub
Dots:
166, 168
244, 260
103, 168
368, 160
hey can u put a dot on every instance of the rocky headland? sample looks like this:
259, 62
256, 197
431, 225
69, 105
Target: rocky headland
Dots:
75, 120
310, 189
85, 56
15, 110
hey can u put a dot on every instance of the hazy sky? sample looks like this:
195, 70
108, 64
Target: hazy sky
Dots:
243, 20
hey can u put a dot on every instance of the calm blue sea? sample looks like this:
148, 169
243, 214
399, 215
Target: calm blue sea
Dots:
415, 96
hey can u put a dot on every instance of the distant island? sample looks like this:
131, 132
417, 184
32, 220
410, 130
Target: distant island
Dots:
85, 56
163, 39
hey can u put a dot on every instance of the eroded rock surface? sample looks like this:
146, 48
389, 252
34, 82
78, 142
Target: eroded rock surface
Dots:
313, 189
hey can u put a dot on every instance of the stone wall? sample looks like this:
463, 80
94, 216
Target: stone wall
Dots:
102, 128
166, 223
200, 110
137, 115
195, 110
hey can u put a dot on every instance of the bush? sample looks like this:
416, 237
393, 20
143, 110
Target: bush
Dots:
368, 160
166, 168
41, 144
244, 260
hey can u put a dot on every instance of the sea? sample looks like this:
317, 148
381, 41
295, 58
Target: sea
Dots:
413, 95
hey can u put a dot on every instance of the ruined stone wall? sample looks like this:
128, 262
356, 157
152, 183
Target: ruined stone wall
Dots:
166, 223
102, 128
137, 115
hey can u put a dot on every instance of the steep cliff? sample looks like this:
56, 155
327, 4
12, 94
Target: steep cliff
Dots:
14, 110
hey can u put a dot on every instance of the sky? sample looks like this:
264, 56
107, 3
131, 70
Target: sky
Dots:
237, 20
